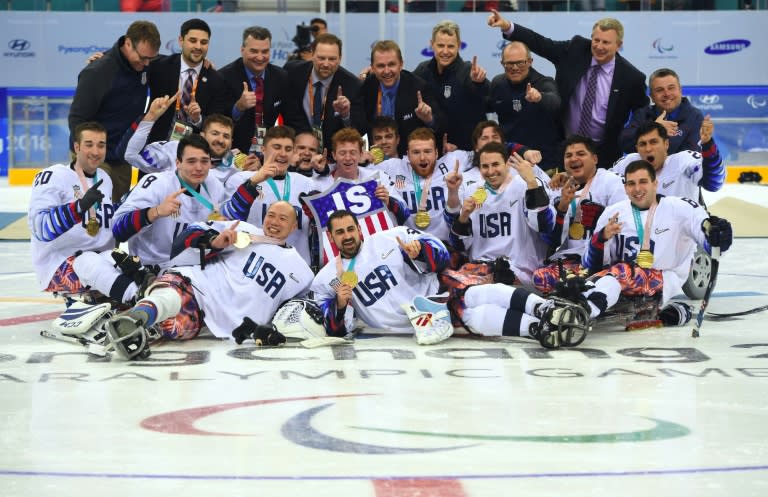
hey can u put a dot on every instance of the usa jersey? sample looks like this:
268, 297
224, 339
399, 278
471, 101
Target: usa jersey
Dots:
684, 172
404, 178
499, 227
152, 241
265, 197
249, 282
153, 157
606, 189
58, 231
387, 278
677, 225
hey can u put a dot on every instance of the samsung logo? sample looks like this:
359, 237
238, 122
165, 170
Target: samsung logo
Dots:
727, 46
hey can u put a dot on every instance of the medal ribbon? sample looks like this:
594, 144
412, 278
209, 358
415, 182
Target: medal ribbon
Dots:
286, 189
267, 240
576, 208
645, 241
340, 268
84, 184
502, 187
208, 205
421, 200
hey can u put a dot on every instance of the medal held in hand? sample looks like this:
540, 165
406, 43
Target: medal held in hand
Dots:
576, 231
92, 227
480, 195
349, 278
239, 160
422, 219
215, 215
243, 240
645, 259
377, 154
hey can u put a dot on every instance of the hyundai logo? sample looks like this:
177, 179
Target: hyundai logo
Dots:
709, 99
727, 46
19, 45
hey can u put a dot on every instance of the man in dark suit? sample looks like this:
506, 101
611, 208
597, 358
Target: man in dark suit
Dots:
201, 90
599, 88
257, 90
324, 97
389, 90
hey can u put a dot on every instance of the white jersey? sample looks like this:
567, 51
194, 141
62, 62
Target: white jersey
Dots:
676, 227
679, 177
153, 242
287, 189
153, 157
500, 229
387, 279
405, 182
465, 158
56, 234
607, 188
249, 282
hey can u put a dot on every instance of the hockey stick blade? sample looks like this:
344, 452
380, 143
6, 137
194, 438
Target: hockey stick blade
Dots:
718, 316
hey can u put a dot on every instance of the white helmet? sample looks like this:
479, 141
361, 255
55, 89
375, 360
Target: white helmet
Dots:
299, 318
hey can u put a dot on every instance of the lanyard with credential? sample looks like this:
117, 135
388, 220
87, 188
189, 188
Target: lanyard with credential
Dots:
208, 205
286, 189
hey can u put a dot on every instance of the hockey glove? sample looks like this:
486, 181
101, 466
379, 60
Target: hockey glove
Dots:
720, 233
91, 197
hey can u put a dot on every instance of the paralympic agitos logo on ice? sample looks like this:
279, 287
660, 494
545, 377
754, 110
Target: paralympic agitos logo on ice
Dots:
725, 47
309, 428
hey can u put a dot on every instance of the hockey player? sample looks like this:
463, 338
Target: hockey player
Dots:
70, 218
639, 246
249, 274
254, 192
679, 174
376, 276
163, 204
489, 219
568, 222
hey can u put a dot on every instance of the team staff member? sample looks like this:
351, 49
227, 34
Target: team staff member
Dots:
113, 90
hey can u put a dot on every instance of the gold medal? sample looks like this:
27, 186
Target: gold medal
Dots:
422, 219
215, 215
349, 278
239, 160
645, 259
377, 154
92, 227
243, 240
576, 231
480, 195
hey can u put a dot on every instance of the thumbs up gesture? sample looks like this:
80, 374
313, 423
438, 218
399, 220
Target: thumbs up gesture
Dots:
341, 105
423, 110
247, 99
671, 126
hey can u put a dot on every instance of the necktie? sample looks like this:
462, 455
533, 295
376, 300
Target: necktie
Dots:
388, 102
258, 90
317, 104
589, 102
186, 90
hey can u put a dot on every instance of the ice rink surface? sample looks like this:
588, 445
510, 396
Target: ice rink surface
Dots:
641, 413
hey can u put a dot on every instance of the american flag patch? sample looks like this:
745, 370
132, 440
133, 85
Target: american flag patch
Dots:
400, 182
424, 320
335, 283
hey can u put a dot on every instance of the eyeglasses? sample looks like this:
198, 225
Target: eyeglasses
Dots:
144, 58
515, 63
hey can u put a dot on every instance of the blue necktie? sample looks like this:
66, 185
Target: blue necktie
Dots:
317, 104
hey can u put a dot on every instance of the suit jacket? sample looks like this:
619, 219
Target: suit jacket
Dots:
164, 80
275, 99
572, 59
298, 75
405, 106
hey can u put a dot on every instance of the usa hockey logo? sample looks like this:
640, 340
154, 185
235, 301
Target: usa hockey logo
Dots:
400, 182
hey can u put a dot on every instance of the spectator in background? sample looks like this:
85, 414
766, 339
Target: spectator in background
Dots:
527, 104
113, 90
460, 87
317, 27
670, 109
599, 88
145, 5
